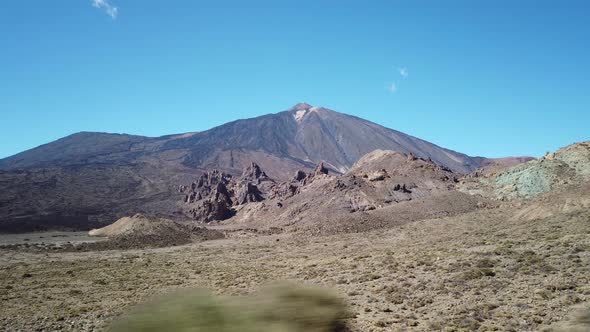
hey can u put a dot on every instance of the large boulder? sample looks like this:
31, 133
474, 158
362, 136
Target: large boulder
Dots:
248, 193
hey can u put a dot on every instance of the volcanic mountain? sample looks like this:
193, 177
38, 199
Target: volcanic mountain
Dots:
296, 138
87, 179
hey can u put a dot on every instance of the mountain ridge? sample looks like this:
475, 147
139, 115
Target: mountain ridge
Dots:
90, 179
303, 133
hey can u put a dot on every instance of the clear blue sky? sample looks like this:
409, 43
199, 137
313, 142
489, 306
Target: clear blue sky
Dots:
490, 78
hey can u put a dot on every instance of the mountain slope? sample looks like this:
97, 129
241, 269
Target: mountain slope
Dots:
296, 138
91, 179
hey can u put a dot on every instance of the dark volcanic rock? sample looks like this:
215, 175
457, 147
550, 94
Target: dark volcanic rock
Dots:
249, 193
320, 169
300, 175
212, 210
253, 173
209, 198
213, 195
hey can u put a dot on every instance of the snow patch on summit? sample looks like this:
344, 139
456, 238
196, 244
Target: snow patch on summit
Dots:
299, 115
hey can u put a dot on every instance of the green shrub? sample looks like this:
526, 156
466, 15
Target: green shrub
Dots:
279, 308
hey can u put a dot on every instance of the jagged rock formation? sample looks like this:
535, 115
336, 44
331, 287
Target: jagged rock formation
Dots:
209, 198
300, 175
409, 187
248, 193
215, 194
378, 179
320, 169
254, 173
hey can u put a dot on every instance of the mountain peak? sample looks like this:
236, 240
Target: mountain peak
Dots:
300, 107
300, 110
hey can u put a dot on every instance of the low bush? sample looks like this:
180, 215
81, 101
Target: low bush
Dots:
283, 307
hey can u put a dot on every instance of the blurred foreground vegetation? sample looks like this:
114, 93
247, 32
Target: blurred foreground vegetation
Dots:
282, 307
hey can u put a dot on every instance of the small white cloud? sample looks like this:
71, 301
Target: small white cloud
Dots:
403, 72
107, 7
392, 87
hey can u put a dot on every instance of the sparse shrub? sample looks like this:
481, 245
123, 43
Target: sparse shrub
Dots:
585, 290
341, 281
559, 285
503, 250
570, 299
278, 308
393, 294
544, 294
100, 282
75, 292
580, 248
486, 263
381, 323
477, 273
467, 324
368, 277
437, 325
528, 261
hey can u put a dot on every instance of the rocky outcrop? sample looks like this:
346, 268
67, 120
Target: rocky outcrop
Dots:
379, 175
215, 195
300, 179
209, 198
300, 176
205, 185
248, 193
390, 184
289, 188
212, 210
254, 173
566, 167
320, 169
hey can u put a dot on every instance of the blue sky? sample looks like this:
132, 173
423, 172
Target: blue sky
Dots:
491, 78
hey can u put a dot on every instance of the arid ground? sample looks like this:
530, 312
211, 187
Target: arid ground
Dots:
478, 271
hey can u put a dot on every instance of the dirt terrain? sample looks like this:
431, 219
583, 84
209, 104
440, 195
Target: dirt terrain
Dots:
484, 270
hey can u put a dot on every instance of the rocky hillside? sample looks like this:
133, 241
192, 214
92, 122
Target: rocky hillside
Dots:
384, 187
567, 167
